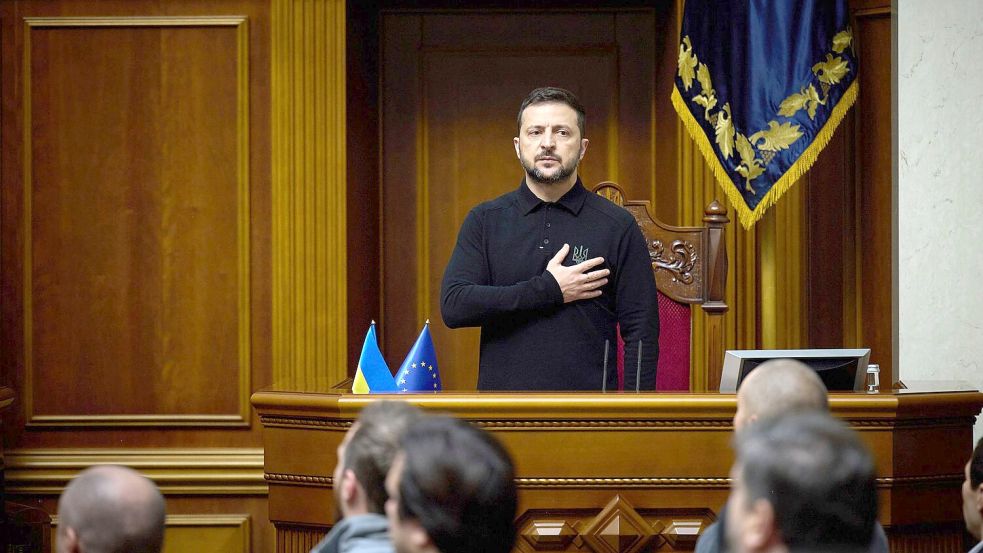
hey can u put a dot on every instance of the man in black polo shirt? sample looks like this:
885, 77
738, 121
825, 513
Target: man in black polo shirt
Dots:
548, 270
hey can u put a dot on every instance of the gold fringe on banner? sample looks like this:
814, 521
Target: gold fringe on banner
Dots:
746, 216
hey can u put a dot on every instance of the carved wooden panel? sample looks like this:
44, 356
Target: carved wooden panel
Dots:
212, 533
135, 217
617, 528
292, 538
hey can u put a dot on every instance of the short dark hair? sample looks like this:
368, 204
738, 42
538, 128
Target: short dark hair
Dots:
818, 477
458, 482
548, 94
371, 450
976, 465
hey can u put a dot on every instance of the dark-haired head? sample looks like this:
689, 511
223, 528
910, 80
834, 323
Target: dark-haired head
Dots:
548, 94
811, 481
454, 483
367, 452
972, 492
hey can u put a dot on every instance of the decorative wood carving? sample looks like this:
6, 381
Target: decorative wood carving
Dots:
690, 266
682, 534
617, 528
547, 535
693, 269
681, 261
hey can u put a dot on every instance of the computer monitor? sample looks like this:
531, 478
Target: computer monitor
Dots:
840, 369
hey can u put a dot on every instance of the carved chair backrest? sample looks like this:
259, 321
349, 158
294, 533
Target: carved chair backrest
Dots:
689, 265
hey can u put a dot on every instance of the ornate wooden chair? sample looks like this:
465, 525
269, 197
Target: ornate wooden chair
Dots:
690, 268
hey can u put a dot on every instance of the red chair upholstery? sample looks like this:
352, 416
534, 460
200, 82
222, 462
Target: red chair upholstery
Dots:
689, 265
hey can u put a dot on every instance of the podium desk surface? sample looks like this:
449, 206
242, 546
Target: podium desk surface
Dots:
660, 458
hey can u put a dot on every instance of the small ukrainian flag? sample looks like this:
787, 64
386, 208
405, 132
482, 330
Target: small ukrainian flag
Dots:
372, 375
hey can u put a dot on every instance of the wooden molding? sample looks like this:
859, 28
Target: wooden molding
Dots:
205, 531
176, 471
309, 192
241, 417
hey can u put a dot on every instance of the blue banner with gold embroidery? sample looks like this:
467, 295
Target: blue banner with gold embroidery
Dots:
761, 85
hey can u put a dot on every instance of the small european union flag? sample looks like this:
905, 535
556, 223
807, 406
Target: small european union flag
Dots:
372, 375
418, 373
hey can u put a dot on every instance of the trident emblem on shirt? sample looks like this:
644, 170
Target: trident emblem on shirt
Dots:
579, 254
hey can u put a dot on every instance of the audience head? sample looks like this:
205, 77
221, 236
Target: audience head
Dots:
452, 490
778, 387
110, 509
802, 482
973, 492
366, 453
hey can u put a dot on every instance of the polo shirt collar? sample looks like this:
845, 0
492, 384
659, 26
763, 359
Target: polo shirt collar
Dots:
572, 201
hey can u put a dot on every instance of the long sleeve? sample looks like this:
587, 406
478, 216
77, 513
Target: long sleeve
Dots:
637, 310
467, 296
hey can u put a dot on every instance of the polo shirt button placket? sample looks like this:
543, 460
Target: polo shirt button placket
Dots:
546, 235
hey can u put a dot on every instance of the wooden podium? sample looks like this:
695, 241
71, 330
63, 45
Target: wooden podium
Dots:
625, 473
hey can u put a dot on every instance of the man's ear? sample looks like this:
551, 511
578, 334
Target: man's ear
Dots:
760, 530
68, 541
515, 142
419, 537
583, 147
349, 486
979, 498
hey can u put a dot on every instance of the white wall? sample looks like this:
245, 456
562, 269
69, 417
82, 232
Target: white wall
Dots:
940, 190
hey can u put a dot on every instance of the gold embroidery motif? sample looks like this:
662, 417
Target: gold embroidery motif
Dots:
687, 62
725, 132
842, 40
750, 167
832, 70
778, 136
807, 98
708, 98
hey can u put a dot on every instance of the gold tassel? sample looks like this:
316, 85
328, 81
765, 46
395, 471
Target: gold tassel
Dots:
746, 216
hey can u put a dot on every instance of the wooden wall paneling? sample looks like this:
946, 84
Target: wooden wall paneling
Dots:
874, 170
128, 285
363, 201
219, 496
214, 533
447, 141
665, 122
218, 183
633, 144
832, 240
401, 165
135, 209
783, 315
310, 313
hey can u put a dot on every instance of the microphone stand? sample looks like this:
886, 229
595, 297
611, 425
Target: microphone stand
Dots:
604, 374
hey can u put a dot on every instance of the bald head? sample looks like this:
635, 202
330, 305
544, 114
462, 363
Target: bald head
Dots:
110, 509
779, 387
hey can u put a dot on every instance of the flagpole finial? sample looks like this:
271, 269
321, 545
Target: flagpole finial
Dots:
428, 321
373, 322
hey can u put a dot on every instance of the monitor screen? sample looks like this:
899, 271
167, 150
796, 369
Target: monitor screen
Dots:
839, 369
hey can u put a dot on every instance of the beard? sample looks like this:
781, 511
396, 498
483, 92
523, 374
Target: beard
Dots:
538, 176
